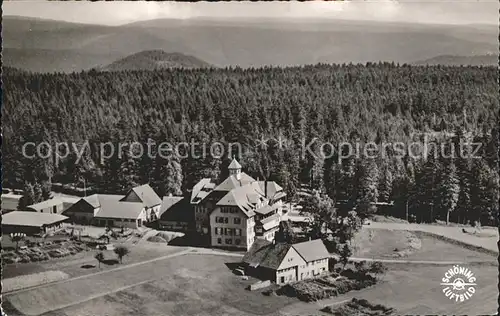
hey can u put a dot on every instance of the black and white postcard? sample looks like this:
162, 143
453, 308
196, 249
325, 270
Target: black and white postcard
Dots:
250, 158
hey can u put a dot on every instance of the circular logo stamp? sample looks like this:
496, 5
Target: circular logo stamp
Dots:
459, 283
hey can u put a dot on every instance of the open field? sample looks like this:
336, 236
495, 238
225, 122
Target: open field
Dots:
382, 243
203, 285
415, 290
30, 280
73, 265
184, 285
489, 242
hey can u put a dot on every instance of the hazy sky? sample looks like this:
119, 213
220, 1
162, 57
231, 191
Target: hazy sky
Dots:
115, 13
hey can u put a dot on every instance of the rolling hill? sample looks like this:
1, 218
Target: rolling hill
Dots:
452, 60
155, 59
48, 46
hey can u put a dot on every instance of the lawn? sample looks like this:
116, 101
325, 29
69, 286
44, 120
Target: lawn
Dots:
184, 285
73, 265
202, 284
486, 241
382, 243
416, 290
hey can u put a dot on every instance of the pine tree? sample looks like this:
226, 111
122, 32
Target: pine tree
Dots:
385, 184
172, 173
317, 173
330, 178
480, 200
37, 193
28, 197
367, 190
449, 189
347, 180
426, 190
46, 190
463, 166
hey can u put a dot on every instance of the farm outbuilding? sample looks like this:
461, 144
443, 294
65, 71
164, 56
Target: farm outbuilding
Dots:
30, 223
10, 201
176, 214
55, 205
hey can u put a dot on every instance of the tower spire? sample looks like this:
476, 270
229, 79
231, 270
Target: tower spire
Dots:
234, 168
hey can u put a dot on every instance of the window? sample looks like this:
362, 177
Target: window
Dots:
237, 220
218, 231
237, 232
229, 241
237, 242
290, 259
282, 280
226, 220
219, 240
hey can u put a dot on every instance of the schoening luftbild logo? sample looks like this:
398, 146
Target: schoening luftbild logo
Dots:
459, 283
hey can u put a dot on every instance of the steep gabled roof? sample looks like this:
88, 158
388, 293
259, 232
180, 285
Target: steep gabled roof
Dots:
201, 190
312, 250
233, 182
244, 197
266, 254
272, 189
147, 195
175, 208
111, 206
93, 200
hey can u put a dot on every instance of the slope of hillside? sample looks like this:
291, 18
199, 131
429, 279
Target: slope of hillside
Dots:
452, 60
226, 43
155, 59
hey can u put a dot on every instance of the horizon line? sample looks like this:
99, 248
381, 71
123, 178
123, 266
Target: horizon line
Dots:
256, 19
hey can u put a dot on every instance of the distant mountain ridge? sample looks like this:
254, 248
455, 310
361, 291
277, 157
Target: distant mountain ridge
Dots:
453, 60
155, 59
57, 46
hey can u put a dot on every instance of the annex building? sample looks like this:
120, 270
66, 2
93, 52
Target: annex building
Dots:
283, 263
139, 206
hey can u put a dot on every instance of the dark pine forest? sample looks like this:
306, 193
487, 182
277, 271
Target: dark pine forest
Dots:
379, 102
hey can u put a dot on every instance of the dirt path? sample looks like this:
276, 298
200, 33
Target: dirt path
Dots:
357, 259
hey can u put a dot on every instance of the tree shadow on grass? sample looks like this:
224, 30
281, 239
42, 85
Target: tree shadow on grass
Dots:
88, 266
110, 262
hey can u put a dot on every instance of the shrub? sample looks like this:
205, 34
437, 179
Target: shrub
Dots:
121, 251
99, 257
359, 307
